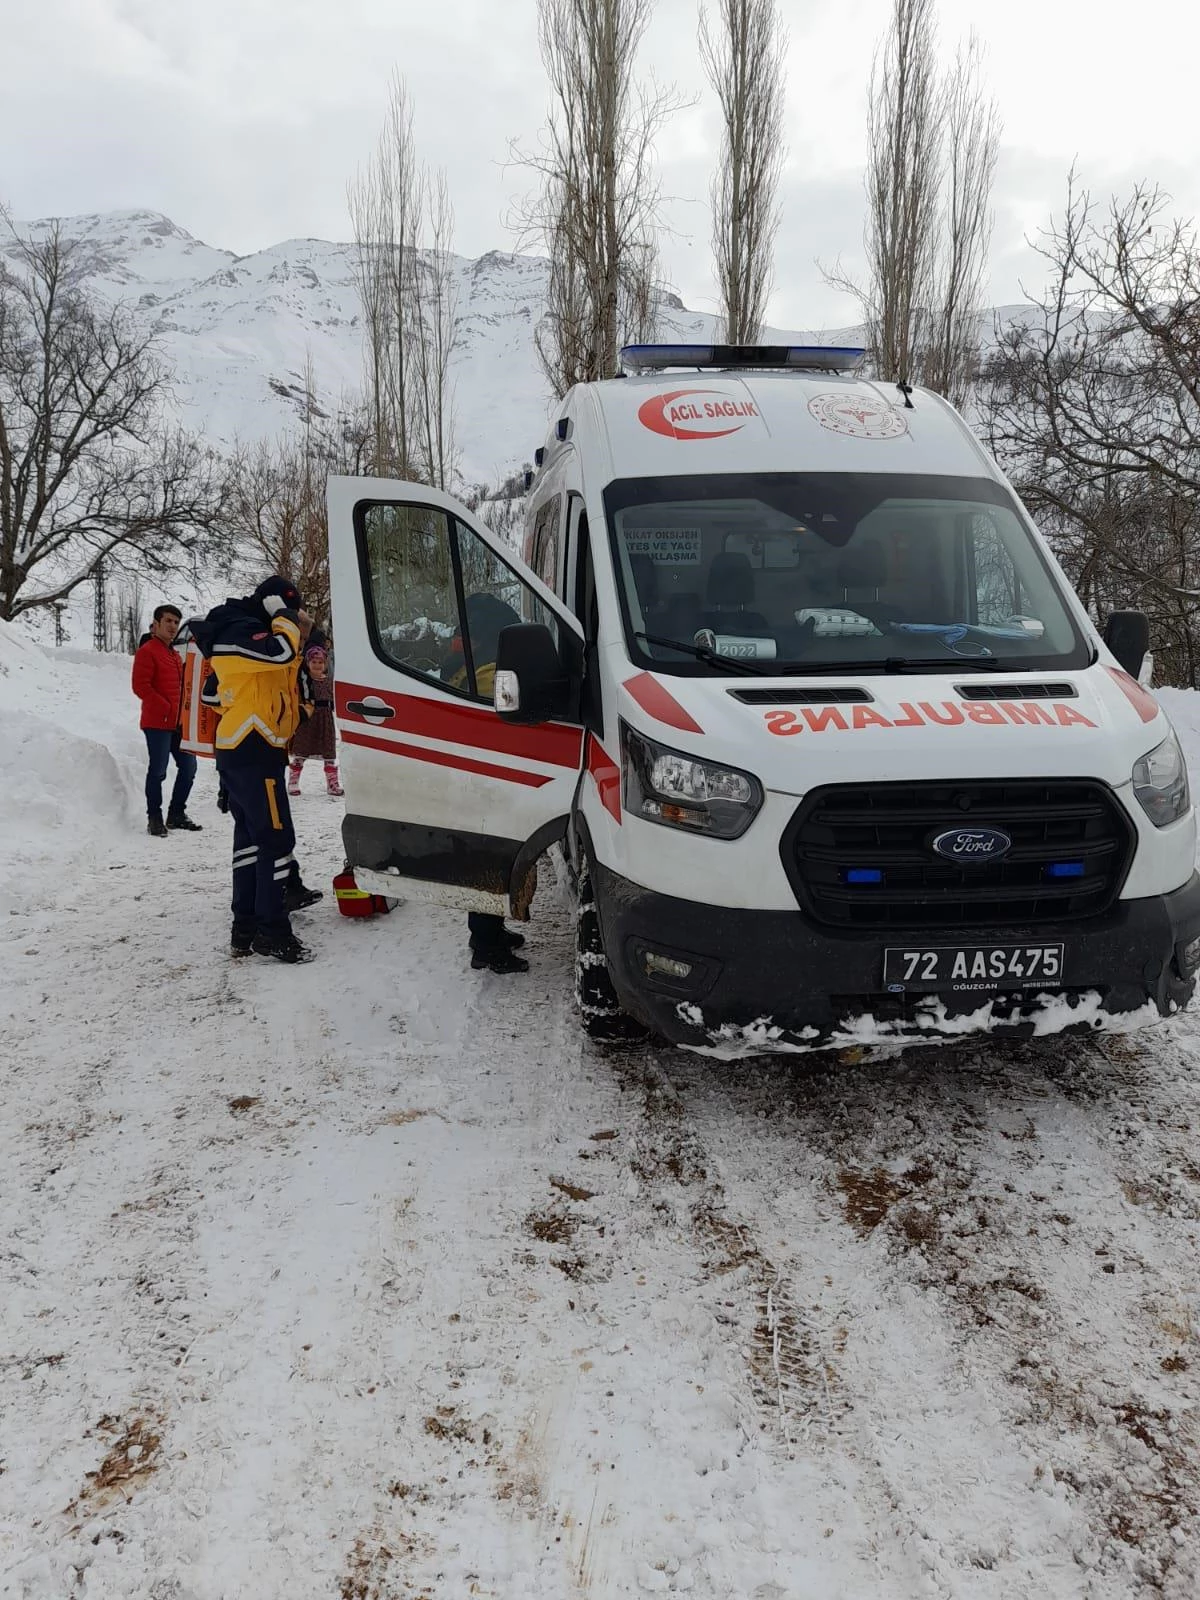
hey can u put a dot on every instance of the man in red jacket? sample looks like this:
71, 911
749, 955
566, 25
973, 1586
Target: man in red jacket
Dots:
158, 684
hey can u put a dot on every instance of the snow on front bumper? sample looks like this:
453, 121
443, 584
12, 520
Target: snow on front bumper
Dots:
931, 1023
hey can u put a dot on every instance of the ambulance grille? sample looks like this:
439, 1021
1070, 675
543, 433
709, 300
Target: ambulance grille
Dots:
861, 857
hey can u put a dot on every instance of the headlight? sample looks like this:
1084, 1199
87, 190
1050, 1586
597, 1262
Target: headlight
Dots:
1160, 782
666, 786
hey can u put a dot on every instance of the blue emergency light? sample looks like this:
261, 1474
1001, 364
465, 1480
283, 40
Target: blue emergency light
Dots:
864, 875
800, 357
1065, 869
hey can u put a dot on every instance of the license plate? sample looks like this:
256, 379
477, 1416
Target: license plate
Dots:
1006, 966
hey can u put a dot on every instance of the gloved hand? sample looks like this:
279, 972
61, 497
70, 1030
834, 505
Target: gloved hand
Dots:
222, 798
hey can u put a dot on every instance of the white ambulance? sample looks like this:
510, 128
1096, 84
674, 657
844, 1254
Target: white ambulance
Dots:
791, 679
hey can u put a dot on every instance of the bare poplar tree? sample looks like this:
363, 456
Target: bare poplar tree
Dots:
564, 337
932, 161
434, 333
368, 220
972, 138
403, 225
903, 179
92, 473
744, 63
129, 609
598, 207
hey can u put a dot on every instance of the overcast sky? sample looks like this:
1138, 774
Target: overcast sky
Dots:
243, 119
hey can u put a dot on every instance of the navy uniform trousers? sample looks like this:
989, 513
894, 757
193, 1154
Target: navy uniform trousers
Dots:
264, 840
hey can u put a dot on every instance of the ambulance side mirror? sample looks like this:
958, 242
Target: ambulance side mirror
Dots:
530, 684
1127, 635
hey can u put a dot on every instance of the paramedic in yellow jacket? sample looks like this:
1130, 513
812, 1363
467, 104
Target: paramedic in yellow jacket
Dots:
254, 647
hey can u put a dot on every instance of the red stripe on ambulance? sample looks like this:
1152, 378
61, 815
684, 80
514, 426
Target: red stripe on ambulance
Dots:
658, 702
606, 775
552, 742
1143, 703
444, 758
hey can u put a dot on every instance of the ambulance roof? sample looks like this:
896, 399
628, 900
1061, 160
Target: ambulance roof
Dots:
667, 424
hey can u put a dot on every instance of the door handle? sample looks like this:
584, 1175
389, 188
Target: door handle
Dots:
372, 710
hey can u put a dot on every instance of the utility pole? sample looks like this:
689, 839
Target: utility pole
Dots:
101, 631
60, 627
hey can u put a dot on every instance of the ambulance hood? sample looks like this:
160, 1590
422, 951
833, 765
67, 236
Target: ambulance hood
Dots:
796, 733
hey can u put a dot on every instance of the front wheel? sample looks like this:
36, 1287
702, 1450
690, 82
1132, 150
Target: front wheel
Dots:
600, 1011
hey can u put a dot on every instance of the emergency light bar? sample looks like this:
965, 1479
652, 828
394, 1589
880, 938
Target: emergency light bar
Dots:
807, 357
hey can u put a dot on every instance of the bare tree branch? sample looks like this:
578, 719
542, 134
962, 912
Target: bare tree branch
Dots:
89, 464
1093, 406
276, 501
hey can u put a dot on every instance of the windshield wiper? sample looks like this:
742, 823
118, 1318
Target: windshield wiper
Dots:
714, 658
945, 664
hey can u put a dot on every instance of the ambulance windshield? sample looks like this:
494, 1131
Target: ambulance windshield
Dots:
829, 572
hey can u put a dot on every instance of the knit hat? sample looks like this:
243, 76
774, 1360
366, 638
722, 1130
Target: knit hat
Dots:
277, 588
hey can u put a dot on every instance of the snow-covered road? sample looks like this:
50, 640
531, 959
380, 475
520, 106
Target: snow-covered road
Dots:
371, 1280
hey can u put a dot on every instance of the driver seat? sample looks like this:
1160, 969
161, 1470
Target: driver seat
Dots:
729, 595
862, 568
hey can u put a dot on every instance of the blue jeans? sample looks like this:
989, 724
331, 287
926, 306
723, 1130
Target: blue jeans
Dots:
163, 743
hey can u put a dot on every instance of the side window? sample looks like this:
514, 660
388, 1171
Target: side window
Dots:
440, 597
997, 587
545, 543
493, 598
410, 571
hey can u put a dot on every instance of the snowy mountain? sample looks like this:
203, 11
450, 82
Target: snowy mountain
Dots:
240, 331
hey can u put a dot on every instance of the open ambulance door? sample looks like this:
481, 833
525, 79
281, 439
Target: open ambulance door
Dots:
445, 800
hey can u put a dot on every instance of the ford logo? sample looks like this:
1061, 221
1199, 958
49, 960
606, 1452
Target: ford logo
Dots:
973, 844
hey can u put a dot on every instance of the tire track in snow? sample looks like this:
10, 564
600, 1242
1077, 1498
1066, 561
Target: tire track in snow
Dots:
919, 1161
793, 1403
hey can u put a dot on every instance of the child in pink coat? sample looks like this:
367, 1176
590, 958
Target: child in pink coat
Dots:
316, 737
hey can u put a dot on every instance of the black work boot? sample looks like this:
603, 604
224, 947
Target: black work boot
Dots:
241, 941
280, 947
499, 957
180, 819
156, 826
298, 897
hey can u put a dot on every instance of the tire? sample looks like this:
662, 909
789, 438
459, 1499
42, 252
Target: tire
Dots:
600, 1014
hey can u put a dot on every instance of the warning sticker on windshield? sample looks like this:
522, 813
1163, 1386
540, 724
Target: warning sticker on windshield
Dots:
667, 547
857, 416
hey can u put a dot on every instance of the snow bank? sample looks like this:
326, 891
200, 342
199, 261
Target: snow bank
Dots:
73, 757
1183, 708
